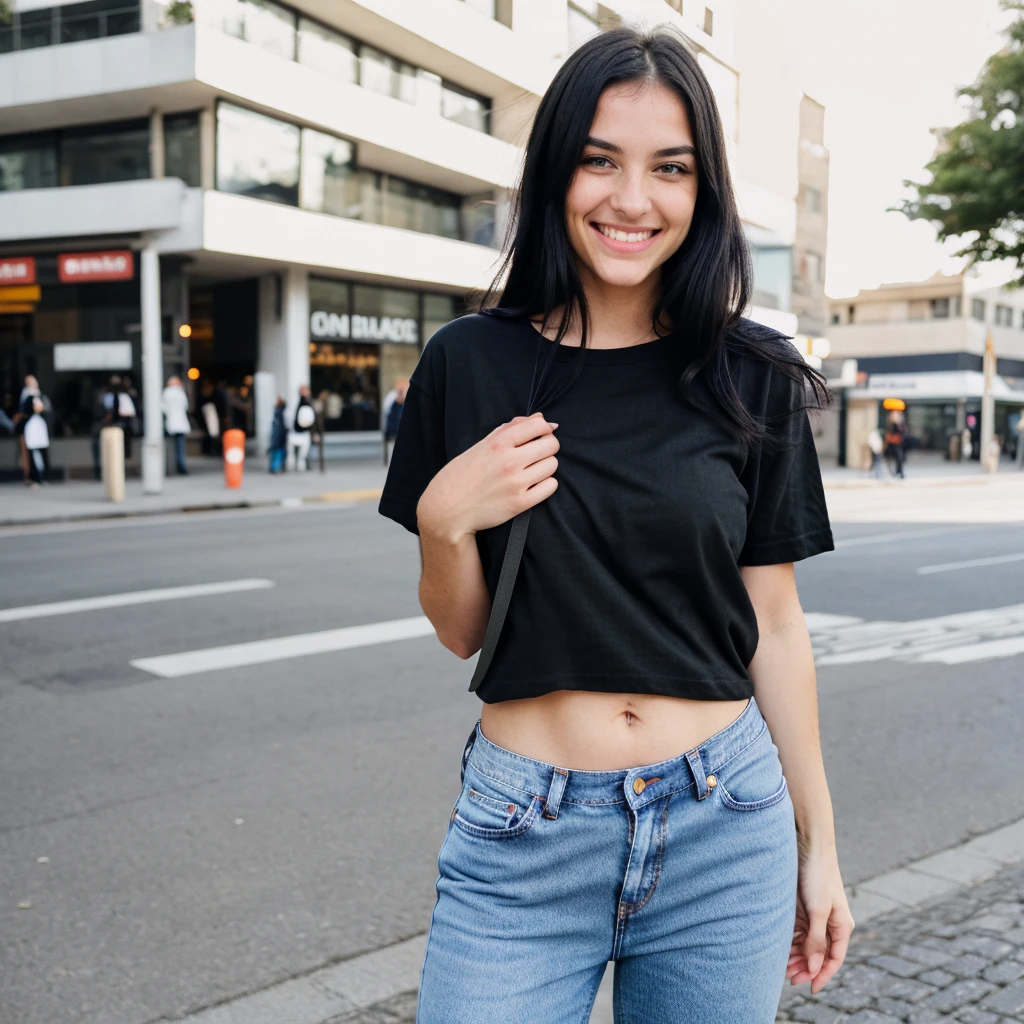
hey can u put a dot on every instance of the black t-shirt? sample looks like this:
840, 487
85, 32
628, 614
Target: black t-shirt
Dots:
630, 579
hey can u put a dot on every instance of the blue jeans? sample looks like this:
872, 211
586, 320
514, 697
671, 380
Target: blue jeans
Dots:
277, 456
179, 452
682, 872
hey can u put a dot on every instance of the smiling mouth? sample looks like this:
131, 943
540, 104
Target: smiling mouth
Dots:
640, 235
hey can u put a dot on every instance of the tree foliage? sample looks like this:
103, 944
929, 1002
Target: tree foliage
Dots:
6, 13
179, 12
977, 189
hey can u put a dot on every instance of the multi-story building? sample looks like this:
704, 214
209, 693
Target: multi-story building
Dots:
258, 195
924, 343
809, 301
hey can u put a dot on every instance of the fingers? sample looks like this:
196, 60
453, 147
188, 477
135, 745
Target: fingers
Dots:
816, 943
811, 961
525, 428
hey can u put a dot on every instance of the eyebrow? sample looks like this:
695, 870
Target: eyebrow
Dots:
612, 148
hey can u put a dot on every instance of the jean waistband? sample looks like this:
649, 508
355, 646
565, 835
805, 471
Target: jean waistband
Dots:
638, 785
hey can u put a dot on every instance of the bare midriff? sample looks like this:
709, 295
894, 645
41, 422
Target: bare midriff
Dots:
590, 731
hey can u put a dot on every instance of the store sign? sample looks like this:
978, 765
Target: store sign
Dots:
73, 267
19, 270
324, 326
92, 355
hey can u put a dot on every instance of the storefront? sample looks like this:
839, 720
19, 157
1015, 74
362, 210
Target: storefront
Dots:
361, 339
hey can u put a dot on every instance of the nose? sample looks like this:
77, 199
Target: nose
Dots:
629, 197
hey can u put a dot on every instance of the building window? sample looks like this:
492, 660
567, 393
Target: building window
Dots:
69, 23
265, 24
181, 147
978, 309
96, 154
257, 156
709, 21
773, 276
421, 208
812, 199
1004, 316
815, 265
582, 22
940, 309
327, 51
850, 311
329, 183
28, 161
464, 107
386, 75
835, 318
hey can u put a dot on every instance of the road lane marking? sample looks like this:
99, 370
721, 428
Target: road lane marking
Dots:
972, 563
885, 538
977, 652
259, 652
88, 604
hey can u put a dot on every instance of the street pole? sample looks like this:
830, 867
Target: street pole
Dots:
152, 375
988, 407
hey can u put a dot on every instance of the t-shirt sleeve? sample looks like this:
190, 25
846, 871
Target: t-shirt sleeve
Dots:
417, 455
787, 516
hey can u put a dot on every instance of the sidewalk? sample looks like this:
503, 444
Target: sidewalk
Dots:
202, 489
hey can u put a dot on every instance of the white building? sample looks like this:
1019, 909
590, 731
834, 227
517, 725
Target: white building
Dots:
306, 189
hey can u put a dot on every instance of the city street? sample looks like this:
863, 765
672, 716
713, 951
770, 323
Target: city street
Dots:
190, 814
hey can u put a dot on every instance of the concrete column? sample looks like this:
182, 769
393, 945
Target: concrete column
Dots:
152, 375
284, 331
207, 147
157, 152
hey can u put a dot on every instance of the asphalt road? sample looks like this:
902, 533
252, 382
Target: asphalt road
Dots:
208, 835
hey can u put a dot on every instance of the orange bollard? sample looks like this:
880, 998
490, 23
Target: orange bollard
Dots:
234, 457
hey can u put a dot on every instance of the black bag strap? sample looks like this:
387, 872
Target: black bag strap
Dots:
502, 594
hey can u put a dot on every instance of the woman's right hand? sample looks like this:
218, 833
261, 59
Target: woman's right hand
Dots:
504, 473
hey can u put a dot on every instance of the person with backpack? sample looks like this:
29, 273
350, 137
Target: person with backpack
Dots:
301, 436
36, 435
645, 782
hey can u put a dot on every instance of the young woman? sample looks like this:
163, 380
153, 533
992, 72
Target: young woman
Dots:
623, 793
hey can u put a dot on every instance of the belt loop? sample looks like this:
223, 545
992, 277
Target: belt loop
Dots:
465, 754
559, 777
697, 767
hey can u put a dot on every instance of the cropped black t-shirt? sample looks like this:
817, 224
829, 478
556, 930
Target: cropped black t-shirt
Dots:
630, 580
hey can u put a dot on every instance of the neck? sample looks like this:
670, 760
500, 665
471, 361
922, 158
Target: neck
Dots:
619, 315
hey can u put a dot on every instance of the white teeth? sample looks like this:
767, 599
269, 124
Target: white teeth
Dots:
625, 236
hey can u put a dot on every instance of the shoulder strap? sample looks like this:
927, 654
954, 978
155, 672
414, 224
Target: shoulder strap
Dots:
502, 594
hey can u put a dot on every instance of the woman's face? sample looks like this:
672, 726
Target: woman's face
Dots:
630, 203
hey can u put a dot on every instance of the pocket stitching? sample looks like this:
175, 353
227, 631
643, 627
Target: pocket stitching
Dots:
752, 805
524, 825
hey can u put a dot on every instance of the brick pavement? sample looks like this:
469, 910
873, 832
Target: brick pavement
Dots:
958, 958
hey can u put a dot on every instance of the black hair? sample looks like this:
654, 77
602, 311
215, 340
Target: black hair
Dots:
706, 283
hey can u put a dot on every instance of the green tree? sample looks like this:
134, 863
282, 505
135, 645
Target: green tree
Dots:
976, 192
6, 14
178, 12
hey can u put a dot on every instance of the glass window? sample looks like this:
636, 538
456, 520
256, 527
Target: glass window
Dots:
814, 263
327, 51
98, 18
119, 152
466, 108
28, 161
940, 309
428, 91
773, 276
813, 198
181, 147
257, 156
978, 309
260, 22
1004, 316
36, 28
327, 173
437, 311
421, 208
386, 75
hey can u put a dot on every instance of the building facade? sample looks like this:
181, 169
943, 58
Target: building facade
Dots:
258, 196
924, 343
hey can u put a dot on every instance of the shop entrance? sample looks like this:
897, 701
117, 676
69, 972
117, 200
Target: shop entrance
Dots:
345, 377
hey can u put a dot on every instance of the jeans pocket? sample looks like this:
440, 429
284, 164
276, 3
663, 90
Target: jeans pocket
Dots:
488, 810
752, 780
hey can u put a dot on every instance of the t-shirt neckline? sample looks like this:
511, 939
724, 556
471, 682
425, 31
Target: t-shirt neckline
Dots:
641, 352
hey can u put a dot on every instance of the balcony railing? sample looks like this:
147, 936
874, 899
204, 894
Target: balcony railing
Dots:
70, 23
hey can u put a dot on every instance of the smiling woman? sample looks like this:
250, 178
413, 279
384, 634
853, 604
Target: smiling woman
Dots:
623, 796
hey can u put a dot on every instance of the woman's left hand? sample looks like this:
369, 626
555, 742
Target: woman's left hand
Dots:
823, 921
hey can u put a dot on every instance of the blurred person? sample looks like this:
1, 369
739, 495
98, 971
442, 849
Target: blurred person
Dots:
6, 423
31, 393
394, 412
895, 440
36, 436
1020, 440
278, 437
877, 448
126, 414
301, 435
174, 405
623, 795
211, 408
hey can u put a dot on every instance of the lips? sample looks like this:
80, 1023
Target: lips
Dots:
625, 241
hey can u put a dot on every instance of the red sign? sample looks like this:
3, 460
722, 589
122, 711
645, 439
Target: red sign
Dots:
73, 267
19, 270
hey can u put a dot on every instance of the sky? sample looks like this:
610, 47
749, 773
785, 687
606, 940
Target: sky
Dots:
887, 71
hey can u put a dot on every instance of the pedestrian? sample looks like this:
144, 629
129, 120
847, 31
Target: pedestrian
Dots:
30, 394
895, 438
37, 440
278, 437
124, 414
1020, 441
877, 447
393, 405
174, 403
300, 438
623, 795
211, 408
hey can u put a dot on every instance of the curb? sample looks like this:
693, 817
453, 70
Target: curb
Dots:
364, 494
329, 994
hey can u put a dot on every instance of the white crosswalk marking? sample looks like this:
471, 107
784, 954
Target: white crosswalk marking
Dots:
948, 639
973, 563
88, 604
258, 652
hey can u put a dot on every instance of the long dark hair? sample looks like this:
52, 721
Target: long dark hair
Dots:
706, 283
